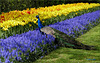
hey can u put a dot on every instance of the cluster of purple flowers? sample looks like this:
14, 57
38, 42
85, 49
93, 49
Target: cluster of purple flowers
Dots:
15, 46
75, 26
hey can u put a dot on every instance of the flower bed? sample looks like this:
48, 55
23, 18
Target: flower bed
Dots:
32, 44
21, 28
14, 18
78, 25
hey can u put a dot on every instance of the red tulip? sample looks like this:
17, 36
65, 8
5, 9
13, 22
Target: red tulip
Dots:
2, 19
28, 12
2, 16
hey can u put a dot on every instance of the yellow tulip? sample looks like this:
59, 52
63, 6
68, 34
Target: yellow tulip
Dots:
1, 25
30, 25
43, 21
35, 22
5, 29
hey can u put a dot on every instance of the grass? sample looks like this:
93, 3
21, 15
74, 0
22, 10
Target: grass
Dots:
69, 55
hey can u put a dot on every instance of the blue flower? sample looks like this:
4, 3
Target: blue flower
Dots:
41, 57
27, 54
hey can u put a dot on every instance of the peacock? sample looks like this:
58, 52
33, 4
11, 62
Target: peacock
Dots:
61, 38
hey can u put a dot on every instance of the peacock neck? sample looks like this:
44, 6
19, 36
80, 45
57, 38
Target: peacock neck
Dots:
38, 19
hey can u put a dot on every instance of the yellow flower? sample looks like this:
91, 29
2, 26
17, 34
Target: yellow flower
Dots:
30, 25
22, 23
5, 28
35, 22
1, 25
43, 21
27, 9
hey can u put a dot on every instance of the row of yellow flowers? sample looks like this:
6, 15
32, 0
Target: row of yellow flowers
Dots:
13, 18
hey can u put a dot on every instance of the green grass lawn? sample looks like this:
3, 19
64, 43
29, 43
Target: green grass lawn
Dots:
69, 55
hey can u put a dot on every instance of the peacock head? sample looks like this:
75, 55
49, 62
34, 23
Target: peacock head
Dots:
37, 16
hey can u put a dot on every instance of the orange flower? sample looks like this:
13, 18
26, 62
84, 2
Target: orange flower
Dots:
16, 10
58, 9
1, 22
22, 13
2, 12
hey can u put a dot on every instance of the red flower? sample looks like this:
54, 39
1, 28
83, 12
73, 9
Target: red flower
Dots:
28, 12
2, 16
2, 19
